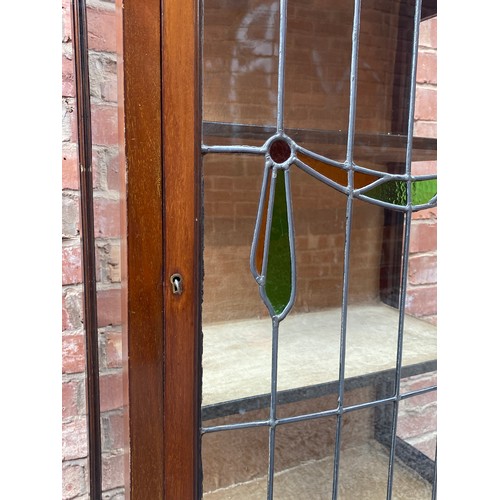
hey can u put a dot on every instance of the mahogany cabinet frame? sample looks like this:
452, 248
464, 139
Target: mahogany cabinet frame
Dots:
159, 106
159, 73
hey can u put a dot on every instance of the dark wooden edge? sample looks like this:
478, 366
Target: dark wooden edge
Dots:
257, 402
260, 134
182, 180
84, 130
392, 240
429, 9
142, 257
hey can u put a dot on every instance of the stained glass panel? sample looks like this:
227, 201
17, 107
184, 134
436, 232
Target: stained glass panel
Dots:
329, 250
278, 284
396, 192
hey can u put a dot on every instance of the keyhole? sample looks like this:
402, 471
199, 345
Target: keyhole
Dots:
176, 281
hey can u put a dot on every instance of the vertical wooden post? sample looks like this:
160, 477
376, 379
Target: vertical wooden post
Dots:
182, 178
142, 262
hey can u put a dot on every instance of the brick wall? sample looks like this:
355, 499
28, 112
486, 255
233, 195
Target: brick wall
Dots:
422, 287
231, 191
103, 84
417, 416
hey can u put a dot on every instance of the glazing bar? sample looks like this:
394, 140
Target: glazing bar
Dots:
434, 484
320, 414
267, 238
406, 248
399, 356
336, 411
233, 149
424, 147
319, 157
281, 65
354, 83
417, 392
257, 274
392, 206
274, 399
232, 427
345, 286
343, 335
306, 168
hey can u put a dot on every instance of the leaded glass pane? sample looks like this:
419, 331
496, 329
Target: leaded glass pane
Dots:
315, 339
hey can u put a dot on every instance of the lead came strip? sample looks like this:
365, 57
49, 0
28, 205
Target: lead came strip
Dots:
345, 286
406, 248
272, 257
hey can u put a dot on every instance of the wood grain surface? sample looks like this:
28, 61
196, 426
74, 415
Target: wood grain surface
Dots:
143, 262
182, 177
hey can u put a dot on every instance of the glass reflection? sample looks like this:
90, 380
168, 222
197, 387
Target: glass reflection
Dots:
240, 62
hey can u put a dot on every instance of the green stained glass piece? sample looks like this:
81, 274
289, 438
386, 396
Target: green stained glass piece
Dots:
395, 192
278, 285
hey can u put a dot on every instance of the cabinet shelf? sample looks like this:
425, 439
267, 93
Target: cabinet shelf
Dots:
236, 356
379, 148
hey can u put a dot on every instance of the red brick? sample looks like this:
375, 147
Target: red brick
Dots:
71, 265
112, 160
426, 104
220, 183
68, 78
245, 209
425, 129
114, 350
70, 399
422, 301
114, 431
417, 423
73, 479
70, 171
101, 25
415, 403
427, 67
113, 470
70, 216
108, 262
219, 209
424, 167
65, 317
426, 446
109, 90
106, 218
104, 125
423, 269
72, 310
66, 21
69, 120
109, 307
111, 391
419, 382
430, 214
423, 237
74, 438
73, 353
428, 33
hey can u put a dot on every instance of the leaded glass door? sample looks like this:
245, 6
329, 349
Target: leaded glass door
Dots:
308, 193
